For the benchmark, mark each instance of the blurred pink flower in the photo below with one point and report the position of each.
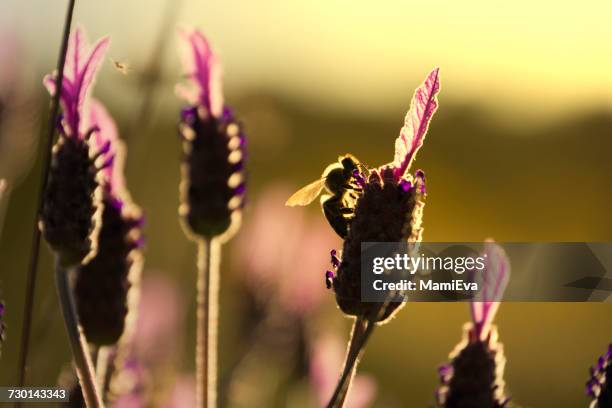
(325, 366)
(151, 351)
(281, 253)
(160, 319)
(183, 393)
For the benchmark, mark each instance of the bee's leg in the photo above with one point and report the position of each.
(336, 214)
(352, 187)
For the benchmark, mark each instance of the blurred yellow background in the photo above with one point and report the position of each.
(519, 150)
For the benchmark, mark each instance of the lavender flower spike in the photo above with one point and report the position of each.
(212, 191)
(71, 199)
(388, 208)
(474, 376)
(599, 385)
(380, 205)
(103, 283)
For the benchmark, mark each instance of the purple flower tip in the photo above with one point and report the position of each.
(405, 185)
(188, 114)
(105, 148)
(241, 189)
(329, 279)
(138, 242)
(108, 162)
(239, 166)
(334, 258)
(137, 222)
(116, 203)
(359, 178)
(420, 181)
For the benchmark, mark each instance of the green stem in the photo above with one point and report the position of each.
(362, 329)
(35, 246)
(207, 322)
(78, 343)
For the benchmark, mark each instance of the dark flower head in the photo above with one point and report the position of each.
(104, 282)
(68, 218)
(388, 208)
(598, 387)
(213, 187)
(474, 376)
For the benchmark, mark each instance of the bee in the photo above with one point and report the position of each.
(343, 191)
(122, 67)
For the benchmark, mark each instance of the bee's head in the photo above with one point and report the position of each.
(349, 163)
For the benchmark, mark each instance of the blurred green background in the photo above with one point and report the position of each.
(519, 150)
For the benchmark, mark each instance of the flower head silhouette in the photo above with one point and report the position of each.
(598, 386)
(103, 283)
(71, 199)
(384, 204)
(212, 191)
(474, 376)
(388, 207)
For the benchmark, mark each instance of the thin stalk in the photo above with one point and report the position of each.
(35, 246)
(102, 359)
(209, 258)
(78, 343)
(94, 350)
(362, 329)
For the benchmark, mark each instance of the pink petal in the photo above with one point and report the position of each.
(107, 132)
(203, 68)
(424, 104)
(494, 280)
(90, 68)
(79, 73)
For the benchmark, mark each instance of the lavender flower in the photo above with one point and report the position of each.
(474, 376)
(71, 199)
(379, 205)
(212, 191)
(102, 285)
(598, 386)
(388, 208)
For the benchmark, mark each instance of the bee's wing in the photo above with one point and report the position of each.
(306, 194)
(365, 169)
